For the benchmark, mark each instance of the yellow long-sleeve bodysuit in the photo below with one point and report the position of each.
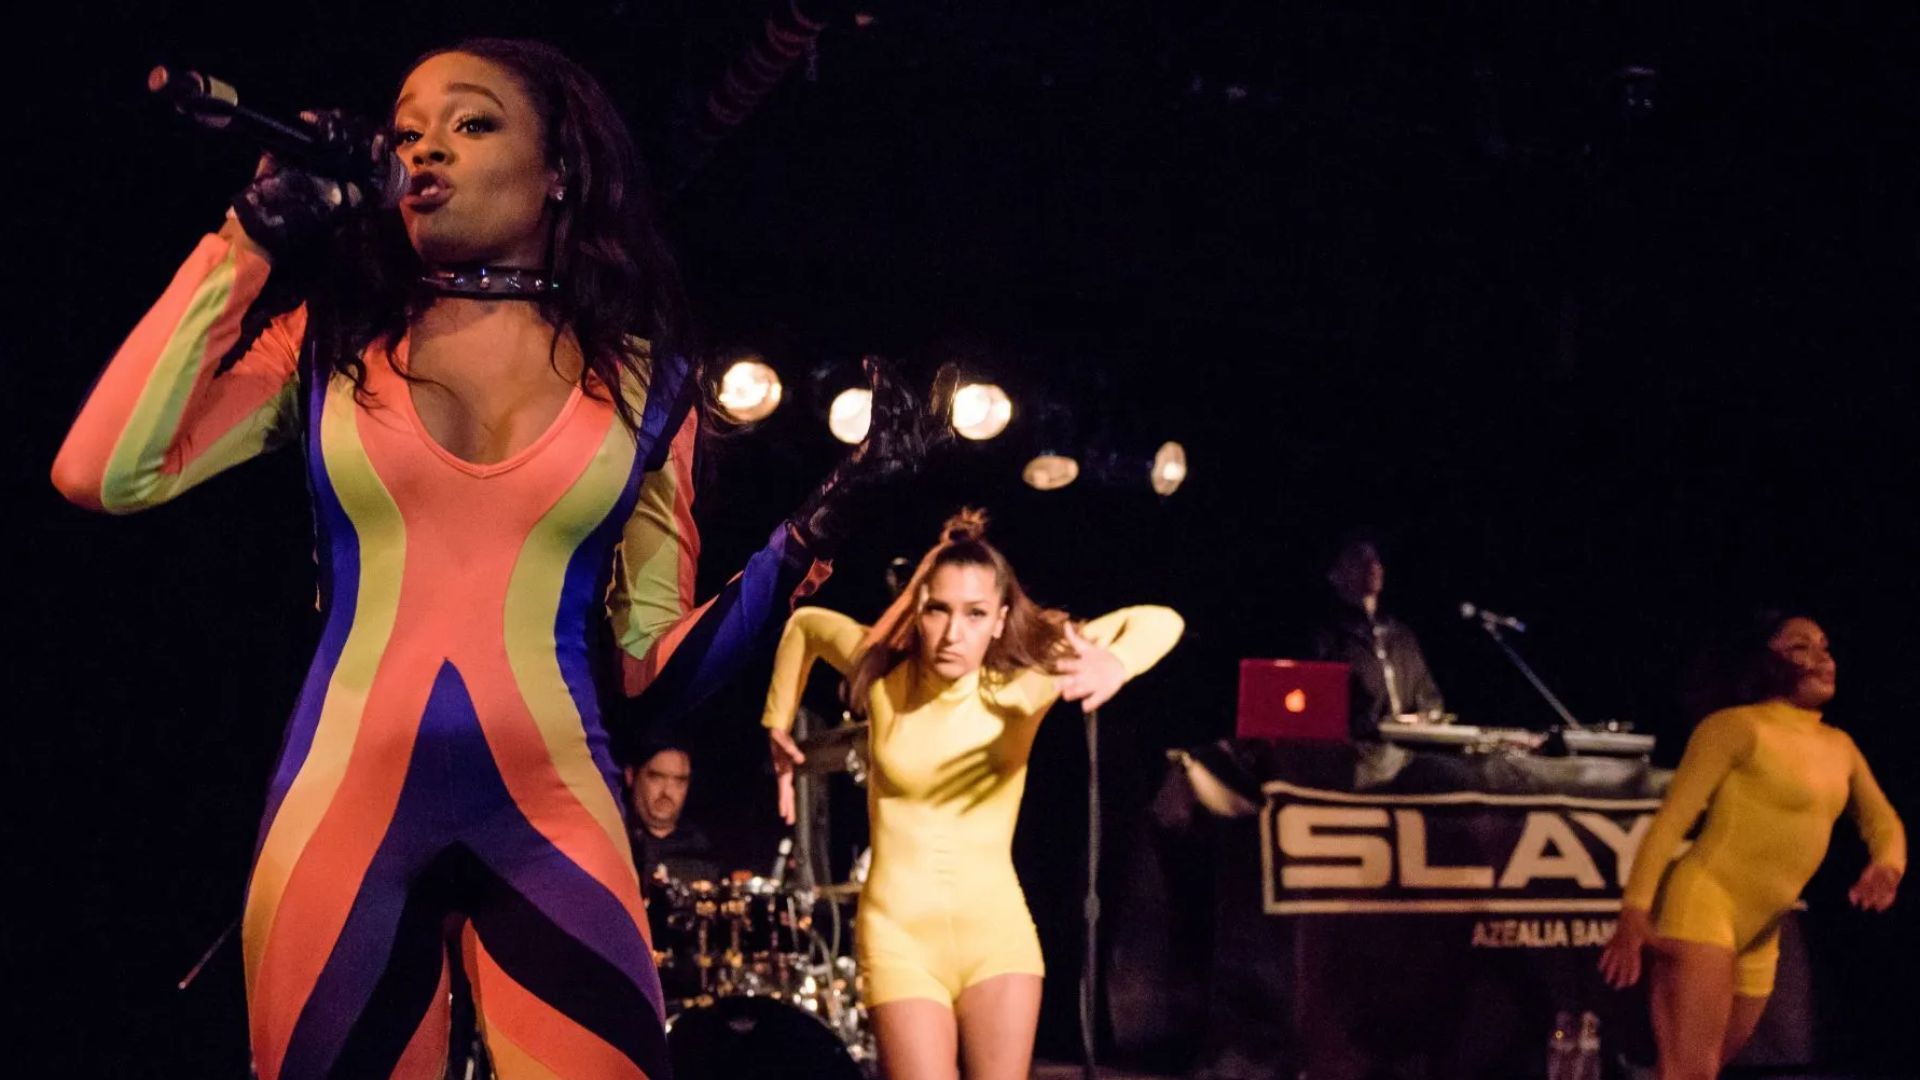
(942, 908)
(1772, 779)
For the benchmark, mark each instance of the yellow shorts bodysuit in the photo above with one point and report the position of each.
(942, 907)
(1773, 779)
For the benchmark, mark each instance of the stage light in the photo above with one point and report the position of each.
(981, 411)
(851, 414)
(1050, 472)
(749, 390)
(1169, 468)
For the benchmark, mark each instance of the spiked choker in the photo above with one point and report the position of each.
(490, 283)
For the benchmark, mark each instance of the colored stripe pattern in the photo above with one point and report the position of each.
(446, 787)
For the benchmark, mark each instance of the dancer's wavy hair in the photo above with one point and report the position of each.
(1034, 637)
(618, 282)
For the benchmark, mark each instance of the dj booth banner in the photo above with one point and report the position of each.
(1435, 932)
(1554, 856)
(1362, 913)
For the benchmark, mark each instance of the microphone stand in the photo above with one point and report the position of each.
(1566, 718)
(200, 965)
(1090, 959)
(806, 839)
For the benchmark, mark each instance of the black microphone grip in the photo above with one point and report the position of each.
(215, 104)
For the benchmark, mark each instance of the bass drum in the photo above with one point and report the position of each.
(737, 1037)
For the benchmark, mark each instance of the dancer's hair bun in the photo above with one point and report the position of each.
(968, 524)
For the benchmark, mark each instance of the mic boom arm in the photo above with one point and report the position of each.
(1493, 631)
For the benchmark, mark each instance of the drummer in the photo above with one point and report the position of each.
(664, 845)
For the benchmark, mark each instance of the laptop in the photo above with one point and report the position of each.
(1292, 699)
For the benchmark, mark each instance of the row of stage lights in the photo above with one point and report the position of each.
(750, 390)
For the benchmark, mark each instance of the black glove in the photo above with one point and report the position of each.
(899, 441)
(287, 209)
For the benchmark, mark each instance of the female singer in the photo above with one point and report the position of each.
(501, 473)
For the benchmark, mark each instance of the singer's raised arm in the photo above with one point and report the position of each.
(670, 650)
(165, 415)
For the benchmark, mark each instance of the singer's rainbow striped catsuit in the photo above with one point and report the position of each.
(446, 759)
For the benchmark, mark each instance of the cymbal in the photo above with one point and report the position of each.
(837, 749)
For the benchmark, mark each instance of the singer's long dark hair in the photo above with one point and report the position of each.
(620, 292)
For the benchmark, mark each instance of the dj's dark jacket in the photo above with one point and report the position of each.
(1347, 635)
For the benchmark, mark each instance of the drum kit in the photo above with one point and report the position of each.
(754, 988)
(756, 970)
(757, 973)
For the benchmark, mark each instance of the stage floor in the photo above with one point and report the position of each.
(1050, 1070)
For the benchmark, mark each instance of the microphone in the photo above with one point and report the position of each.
(1492, 618)
(779, 875)
(213, 103)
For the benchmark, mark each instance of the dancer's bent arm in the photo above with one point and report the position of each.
(1886, 839)
(1135, 636)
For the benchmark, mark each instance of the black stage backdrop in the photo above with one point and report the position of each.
(1617, 369)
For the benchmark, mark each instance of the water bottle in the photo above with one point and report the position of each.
(1586, 1049)
(1561, 1048)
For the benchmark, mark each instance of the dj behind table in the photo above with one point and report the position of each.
(1428, 903)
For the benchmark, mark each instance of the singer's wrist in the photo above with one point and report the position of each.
(234, 233)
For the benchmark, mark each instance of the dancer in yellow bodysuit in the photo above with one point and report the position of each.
(1772, 778)
(954, 681)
